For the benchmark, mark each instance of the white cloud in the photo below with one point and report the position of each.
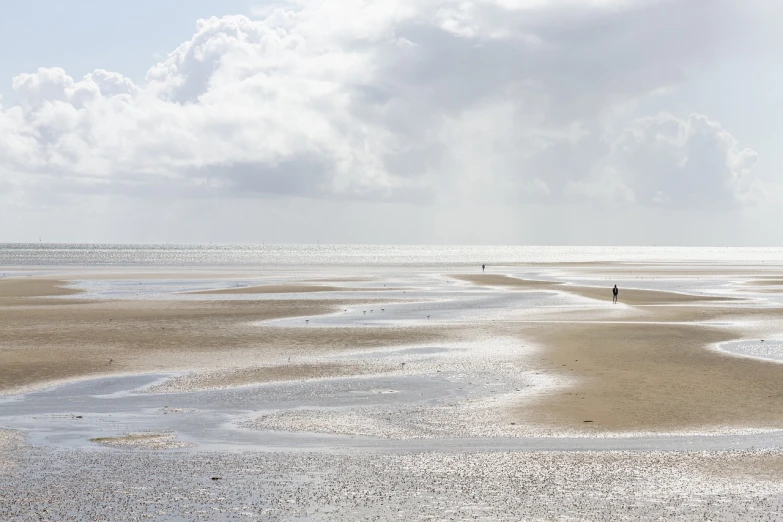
(674, 162)
(691, 162)
(413, 101)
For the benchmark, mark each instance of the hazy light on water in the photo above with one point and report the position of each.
(36, 254)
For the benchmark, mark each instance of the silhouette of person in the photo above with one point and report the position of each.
(483, 267)
(615, 291)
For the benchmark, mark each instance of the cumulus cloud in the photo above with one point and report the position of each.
(684, 163)
(671, 162)
(412, 101)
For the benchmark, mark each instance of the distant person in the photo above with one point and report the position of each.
(615, 291)
(483, 267)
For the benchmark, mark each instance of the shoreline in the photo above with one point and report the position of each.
(223, 342)
(451, 390)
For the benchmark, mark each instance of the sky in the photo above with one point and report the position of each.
(546, 122)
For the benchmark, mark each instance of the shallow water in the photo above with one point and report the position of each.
(445, 379)
(418, 442)
(770, 349)
(70, 415)
(276, 256)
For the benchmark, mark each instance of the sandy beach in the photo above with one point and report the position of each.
(486, 365)
(325, 261)
(629, 296)
(646, 367)
(649, 372)
(45, 341)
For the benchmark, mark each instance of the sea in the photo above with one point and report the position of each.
(184, 255)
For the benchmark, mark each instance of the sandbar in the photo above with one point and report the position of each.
(286, 289)
(630, 296)
(652, 378)
(643, 367)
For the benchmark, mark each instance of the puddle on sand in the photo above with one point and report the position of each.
(771, 349)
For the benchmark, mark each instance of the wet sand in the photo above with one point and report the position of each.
(645, 369)
(627, 296)
(270, 289)
(144, 441)
(766, 282)
(49, 343)
(488, 367)
(252, 375)
(11, 443)
(641, 368)
(286, 289)
(304, 485)
(32, 291)
(46, 340)
(55, 342)
(652, 378)
(34, 287)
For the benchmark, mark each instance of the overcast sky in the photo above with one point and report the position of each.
(604, 122)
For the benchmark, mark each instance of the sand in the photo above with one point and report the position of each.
(33, 291)
(270, 289)
(34, 287)
(640, 366)
(645, 369)
(766, 282)
(56, 340)
(287, 289)
(251, 375)
(504, 281)
(11, 443)
(659, 378)
(122, 485)
(50, 343)
(627, 296)
(145, 441)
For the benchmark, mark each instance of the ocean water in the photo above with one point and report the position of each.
(52, 254)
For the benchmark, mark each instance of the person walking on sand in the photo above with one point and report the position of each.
(483, 267)
(614, 294)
